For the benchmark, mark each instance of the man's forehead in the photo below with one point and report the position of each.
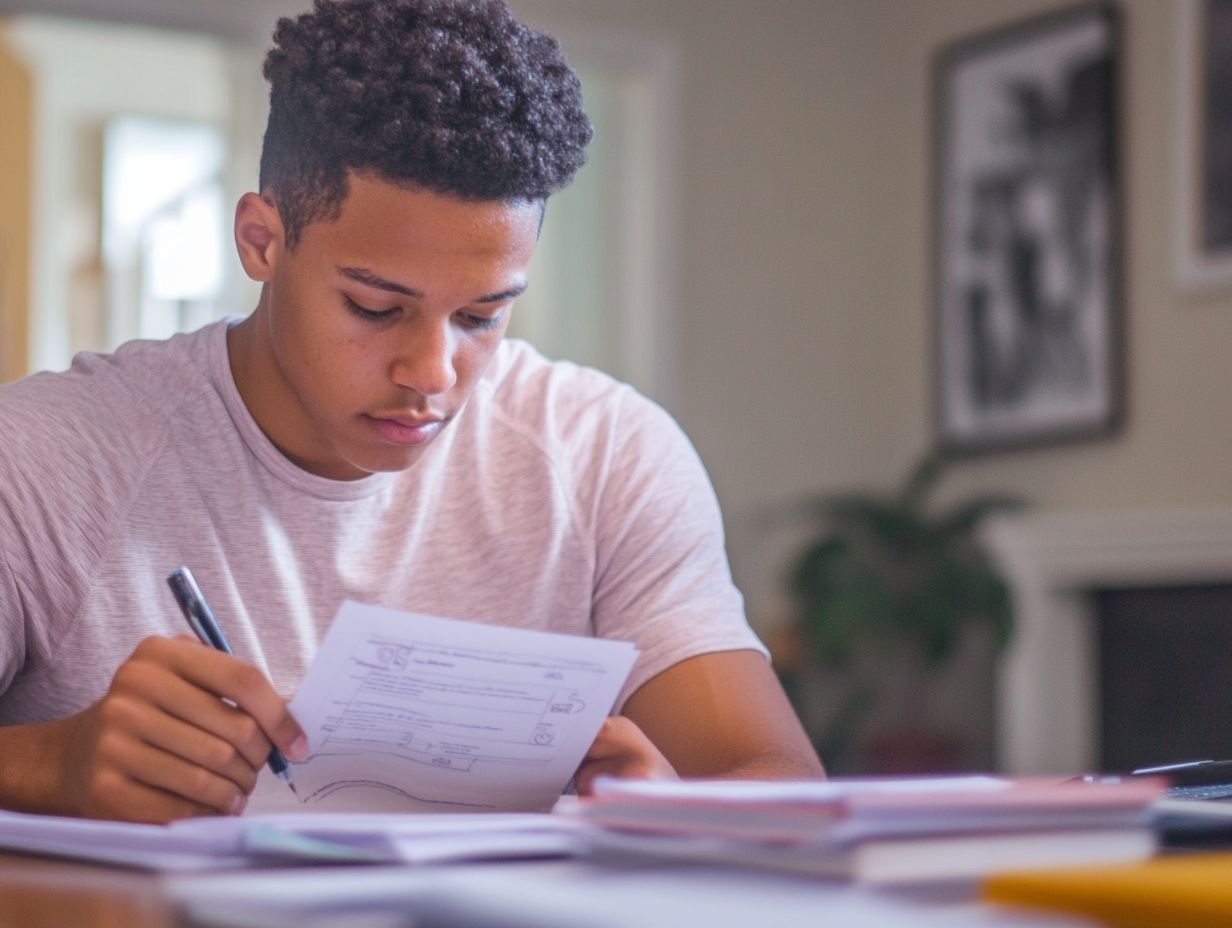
(370, 278)
(387, 208)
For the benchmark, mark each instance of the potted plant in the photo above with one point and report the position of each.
(884, 596)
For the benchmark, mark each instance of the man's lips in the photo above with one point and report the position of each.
(406, 430)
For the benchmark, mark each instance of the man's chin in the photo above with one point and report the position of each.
(388, 460)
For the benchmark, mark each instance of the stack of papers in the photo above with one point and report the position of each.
(878, 831)
(223, 843)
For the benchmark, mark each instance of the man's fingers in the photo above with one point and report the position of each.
(617, 736)
(584, 779)
(251, 691)
(621, 749)
(110, 792)
(134, 801)
(623, 767)
(228, 677)
(193, 737)
(185, 780)
(145, 695)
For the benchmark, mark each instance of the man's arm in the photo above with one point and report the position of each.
(724, 715)
(160, 745)
(716, 715)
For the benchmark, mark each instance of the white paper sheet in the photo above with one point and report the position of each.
(407, 712)
(742, 792)
(145, 846)
(228, 842)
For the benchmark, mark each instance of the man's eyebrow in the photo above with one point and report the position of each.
(504, 295)
(369, 279)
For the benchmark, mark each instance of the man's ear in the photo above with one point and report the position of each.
(258, 236)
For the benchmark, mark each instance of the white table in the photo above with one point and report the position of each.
(568, 894)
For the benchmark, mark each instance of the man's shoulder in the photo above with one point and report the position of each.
(118, 400)
(583, 421)
(560, 400)
(520, 373)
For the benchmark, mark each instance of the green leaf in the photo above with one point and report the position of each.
(886, 573)
(922, 479)
(966, 517)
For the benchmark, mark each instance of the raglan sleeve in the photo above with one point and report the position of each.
(12, 638)
(662, 577)
(57, 446)
(12, 612)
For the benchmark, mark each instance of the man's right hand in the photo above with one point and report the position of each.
(162, 744)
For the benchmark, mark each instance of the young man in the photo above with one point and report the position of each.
(365, 433)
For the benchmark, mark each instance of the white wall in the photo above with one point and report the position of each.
(777, 348)
(805, 320)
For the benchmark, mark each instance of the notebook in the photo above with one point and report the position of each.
(1177, 891)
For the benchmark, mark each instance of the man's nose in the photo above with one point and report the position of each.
(425, 359)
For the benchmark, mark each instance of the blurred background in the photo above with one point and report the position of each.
(751, 245)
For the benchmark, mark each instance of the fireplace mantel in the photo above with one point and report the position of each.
(1048, 686)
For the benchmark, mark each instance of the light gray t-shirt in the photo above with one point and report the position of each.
(557, 500)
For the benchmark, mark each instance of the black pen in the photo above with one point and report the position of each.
(201, 617)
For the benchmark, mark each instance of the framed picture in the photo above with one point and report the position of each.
(1204, 135)
(1027, 274)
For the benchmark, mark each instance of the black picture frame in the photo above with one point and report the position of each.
(1204, 150)
(1027, 233)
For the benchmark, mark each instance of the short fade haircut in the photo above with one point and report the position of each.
(451, 96)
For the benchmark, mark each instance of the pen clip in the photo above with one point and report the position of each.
(196, 610)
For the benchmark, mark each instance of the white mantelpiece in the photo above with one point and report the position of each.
(1048, 685)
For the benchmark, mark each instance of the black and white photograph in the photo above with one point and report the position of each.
(1204, 137)
(1026, 233)
(1217, 126)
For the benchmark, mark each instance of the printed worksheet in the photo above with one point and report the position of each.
(413, 712)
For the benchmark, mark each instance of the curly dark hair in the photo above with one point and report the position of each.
(452, 96)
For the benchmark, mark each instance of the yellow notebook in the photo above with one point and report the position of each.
(1187, 890)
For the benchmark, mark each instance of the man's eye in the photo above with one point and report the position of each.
(365, 313)
(470, 320)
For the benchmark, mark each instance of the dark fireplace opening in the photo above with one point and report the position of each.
(1165, 672)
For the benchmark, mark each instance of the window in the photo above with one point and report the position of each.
(143, 140)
